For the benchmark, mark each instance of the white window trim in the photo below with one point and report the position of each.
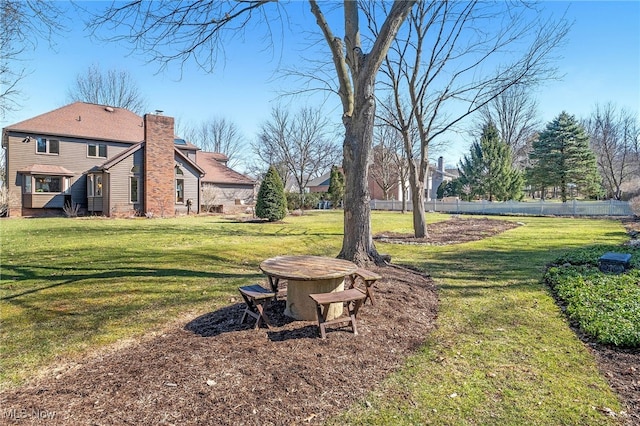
(97, 146)
(47, 142)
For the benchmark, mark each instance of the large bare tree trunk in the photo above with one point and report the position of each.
(356, 76)
(357, 244)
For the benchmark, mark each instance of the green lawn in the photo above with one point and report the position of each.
(502, 352)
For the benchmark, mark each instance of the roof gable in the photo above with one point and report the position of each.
(86, 121)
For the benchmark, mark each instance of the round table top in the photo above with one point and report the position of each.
(307, 268)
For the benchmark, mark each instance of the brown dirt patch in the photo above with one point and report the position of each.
(212, 370)
(454, 231)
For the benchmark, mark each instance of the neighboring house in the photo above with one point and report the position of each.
(436, 176)
(103, 160)
(320, 184)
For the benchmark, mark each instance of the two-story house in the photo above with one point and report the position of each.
(103, 160)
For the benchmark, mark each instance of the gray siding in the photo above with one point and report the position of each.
(119, 202)
(229, 196)
(72, 156)
(191, 188)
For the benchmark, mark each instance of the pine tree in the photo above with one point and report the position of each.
(488, 170)
(272, 202)
(336, 187)
(562, 157)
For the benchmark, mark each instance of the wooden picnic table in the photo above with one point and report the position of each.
(307, 275)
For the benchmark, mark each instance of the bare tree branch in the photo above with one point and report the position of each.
(115, 88)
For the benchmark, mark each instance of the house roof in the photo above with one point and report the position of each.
(217, 172)
(45, 169)
(87, 121)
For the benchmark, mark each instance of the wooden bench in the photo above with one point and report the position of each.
(353, 298)
(369, 278)
(256, 298)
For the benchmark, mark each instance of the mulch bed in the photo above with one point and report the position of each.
(212, 370)
(215, 371)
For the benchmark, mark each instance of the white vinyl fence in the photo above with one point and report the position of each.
(535, 208)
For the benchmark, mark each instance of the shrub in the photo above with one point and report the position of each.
(605, 306)
(271, 203)
(295, 201)
(336, 187)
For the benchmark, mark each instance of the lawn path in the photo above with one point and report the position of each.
(503, 352)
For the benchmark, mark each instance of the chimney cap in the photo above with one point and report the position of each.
(159, 112)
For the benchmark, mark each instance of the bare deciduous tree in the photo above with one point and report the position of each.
(614, 136)
(179, 31)
(302, 143)
(383, 170)
(115, 88)
(22, 24)
(217, 135)
(515, 114)
(445, 67)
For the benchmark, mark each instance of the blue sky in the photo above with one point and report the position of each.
(600, 63)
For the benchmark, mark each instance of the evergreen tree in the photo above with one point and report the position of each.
(562, 157)
(488, 169)
(272, 202)
(336, 187)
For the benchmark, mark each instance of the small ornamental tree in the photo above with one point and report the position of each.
(336, 187)
(272, 202)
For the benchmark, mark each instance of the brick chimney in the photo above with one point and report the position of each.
(159, 163)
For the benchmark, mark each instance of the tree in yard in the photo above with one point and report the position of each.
(561, 157)
(336, 187)
(301, 143)
(515, 115)
(488, 169)
(390, 165)
(178, 31)
(217, 134)
(453, 188)
(272, 202)
(22, 24)
(442, 70)
(115, 88)
(614, 136)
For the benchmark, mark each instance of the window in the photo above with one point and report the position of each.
(48, 183)
(134, 182)
(27, 184)
(47, 146)
(179, 190)
(94, 185)
(98, 187)
(97, 150)
(89, 185)
(179, 185)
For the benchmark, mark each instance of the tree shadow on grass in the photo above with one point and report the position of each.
(66, 276)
